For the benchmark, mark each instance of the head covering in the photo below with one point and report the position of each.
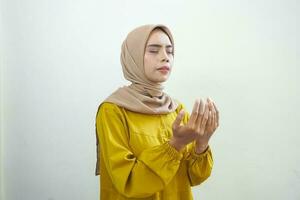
(143, 95)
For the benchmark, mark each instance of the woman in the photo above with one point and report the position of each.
(148, 147)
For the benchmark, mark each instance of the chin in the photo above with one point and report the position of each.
(162, 80)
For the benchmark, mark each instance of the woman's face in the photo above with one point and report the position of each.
(158, 58)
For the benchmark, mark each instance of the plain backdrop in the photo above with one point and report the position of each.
(60, 58)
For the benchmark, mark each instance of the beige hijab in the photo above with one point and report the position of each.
(142, 96)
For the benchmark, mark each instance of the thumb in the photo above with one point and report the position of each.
(178, 119)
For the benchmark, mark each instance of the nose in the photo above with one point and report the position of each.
(165, 57)
(165, 60)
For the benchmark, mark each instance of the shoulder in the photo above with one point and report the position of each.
(108, 107)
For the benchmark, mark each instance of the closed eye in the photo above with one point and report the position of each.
(169, 52)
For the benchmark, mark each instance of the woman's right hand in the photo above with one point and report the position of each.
(184, 134)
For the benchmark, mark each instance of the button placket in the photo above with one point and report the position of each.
(164, 130)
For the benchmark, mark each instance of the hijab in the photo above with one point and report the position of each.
(143, 95)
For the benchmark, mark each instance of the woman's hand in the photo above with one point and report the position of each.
(211, 125)
(195, 128)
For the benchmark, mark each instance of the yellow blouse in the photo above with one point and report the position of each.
(137, 162)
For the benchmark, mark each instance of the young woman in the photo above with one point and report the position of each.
(148, 147)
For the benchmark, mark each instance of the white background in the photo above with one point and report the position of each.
(60, 58)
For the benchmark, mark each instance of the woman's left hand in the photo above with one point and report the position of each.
(211, 125)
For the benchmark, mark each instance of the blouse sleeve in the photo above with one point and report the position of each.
(199, 165)
(157, 165)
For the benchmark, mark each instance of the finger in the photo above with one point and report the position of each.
(201, 107)
(200, 115)
(204, 119)
(213, 123)
(211, 112)
(210, 118)
(178, 119)
(194, 114)
(209, 101)
(217, 114)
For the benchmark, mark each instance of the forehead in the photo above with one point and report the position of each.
(159, 37)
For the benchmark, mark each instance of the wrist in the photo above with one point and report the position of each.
(200, 148)
(177, 145)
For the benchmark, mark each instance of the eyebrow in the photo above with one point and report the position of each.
(158, 45)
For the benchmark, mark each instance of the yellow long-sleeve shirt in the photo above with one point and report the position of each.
(137, 162)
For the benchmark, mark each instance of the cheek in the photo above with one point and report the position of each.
(146, 59)
(148, 62)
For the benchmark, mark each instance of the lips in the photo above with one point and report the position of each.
(164, 68)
